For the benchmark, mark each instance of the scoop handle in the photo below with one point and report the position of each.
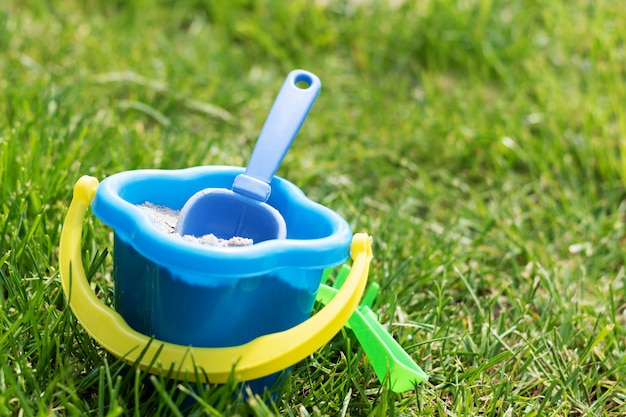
(292, 105)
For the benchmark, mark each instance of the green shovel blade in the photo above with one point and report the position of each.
(390, 362)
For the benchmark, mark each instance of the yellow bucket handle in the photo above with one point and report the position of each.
(262, 356)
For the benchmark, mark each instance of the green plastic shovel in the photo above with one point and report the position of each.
(391, 363)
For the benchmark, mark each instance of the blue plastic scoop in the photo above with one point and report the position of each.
(243, 211)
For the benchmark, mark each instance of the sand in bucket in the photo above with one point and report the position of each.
(166, 218)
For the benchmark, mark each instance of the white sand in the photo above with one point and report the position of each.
(165, 219)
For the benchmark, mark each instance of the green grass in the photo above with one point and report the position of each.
(482, 144)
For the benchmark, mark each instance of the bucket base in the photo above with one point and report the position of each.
(267, 388)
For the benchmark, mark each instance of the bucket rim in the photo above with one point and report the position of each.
(135, 227)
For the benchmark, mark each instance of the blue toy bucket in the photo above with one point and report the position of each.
(224, 299)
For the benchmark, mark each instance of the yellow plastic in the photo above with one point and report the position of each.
(263, 356)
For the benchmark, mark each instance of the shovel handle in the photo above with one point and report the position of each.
(292, 105)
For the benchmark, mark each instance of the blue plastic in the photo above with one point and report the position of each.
(283, 123)
(192, 294)
(242, 211)
(225, 214)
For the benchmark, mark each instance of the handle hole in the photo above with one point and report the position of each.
(303, 81)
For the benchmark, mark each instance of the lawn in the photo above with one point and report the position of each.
(481, 144)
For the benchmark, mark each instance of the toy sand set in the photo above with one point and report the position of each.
(190, 304)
